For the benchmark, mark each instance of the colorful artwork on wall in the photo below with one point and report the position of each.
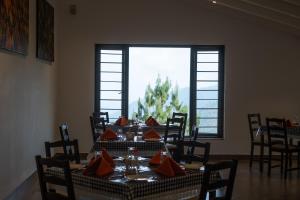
(14, 25)
(45, 31)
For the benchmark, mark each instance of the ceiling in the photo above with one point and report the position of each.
(284, 14)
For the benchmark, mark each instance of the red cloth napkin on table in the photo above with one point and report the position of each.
(99, 167)
(122, 121)
(108, 134)
(155, 160)
(151, 122)
(108, 158)
(151, 134)
(169, 168)
(92, 166)
(104, 168)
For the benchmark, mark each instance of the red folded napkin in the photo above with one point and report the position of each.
(151, 122)
(169, 168)
(122, 121)
(99, 167)
(92, 166)
(108, 158)
(108, 134)
(151, 134)
(155, 160)
(104, 168)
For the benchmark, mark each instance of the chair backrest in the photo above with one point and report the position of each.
(187, 151)
(208, 185)
(97, 124)
(68, 144)
(173, 129)
(59, 144)
(44, 178)
(103, 115)
(254, 121)
(181, 115)
(277, 131)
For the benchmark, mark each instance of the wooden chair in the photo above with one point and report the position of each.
(97, 126)
(103, 115)
(173, 130)
(187, 152)
(181, 115)
(59, 144)
(210, 187)
(71, 149)
(254, 121)
(44, 179)
(278, 142)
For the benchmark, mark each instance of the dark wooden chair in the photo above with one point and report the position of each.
(103, 115)
(187, 152)
(278, 142)
(173, 134)
(173, 131)
(59, 144)
(45, 179)
(97, 126)
(71, 148)
(210, 187)
(254, 121)
(181, 115)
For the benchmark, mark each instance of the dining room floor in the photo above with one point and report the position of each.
(249, 185)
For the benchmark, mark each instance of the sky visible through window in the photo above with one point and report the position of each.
(147, 63)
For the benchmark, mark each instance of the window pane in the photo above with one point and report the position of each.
(207, 85)
(111, 77)
(207, 113)
(111, 58)
(111, 67)
(110, 86)
(212, 131)
(112, 113)
(110, 104)
(207, 66)
(207, 75)
(110, 95)
(208, 122)
(112, 51)
(208, 58)
(207, 103)
(207, 94)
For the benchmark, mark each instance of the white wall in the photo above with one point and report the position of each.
(27, 111)
(262, 64)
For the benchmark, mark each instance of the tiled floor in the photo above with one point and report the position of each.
(249, 185)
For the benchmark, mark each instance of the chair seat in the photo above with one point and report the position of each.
(282, 147)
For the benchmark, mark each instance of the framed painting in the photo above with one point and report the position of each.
(14, 25)
(45, 31)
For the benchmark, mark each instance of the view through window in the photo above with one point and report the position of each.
(159, 82)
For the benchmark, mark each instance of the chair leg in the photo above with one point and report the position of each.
(298, 160)
(251, 155)
(286, 164)
(269, 162)
(281, 162)
(290, 160)
(261, 158)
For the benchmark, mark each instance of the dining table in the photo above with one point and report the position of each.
(145, 184)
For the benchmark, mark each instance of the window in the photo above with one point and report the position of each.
(205, 91)
(110, 87)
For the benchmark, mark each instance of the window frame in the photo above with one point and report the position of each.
(193, 87)
(193, 79)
